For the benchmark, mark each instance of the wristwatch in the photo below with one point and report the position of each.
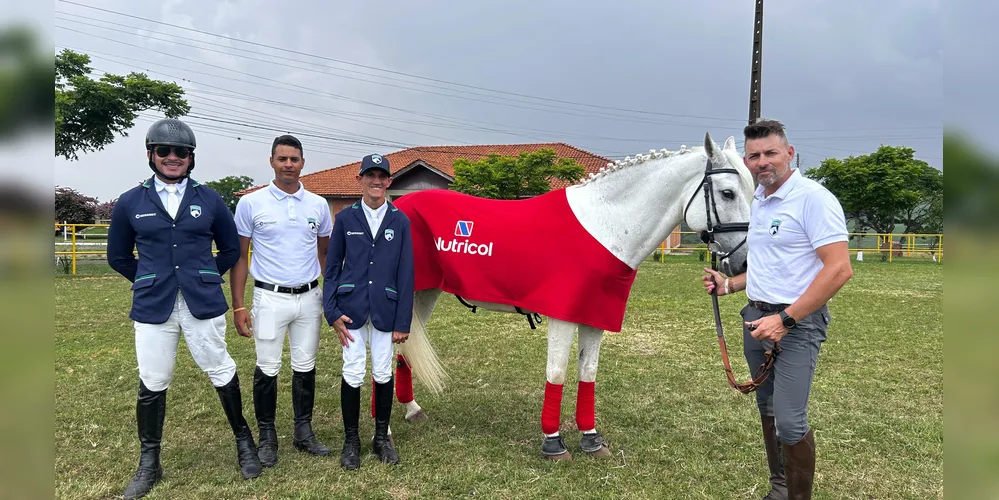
(788, 321)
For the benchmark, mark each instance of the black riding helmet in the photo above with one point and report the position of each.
(170, 132)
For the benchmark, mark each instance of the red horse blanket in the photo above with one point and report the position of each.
(530, 253)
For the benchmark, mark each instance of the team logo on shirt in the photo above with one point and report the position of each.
(774, 227)
(195, 211)
(389, 234)
(312, 224)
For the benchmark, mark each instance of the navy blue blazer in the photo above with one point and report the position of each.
(173, 255)
(370, 274)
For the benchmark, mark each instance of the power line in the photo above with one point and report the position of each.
(612, 108)
(556, 110)
(284, 62)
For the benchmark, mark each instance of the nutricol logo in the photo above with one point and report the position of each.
(463, 228)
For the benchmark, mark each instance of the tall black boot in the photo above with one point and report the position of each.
(150, 409)
(775, 460)
(265, 406)
(350, 405)
(246, 449)
(303, 397)
(381, 445)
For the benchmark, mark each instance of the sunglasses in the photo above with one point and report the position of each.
(180, 151)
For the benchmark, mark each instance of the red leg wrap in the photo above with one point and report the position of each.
(403, 380)
(552, 411)
(585, 419)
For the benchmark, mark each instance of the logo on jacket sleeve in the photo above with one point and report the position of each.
(195, 211)
(463, 228)
(389, 234)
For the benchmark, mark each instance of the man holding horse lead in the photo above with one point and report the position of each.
(798, 260)
(290, 230)
(368, 290)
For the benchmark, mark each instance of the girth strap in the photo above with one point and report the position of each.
(533, 319)
(466, 304)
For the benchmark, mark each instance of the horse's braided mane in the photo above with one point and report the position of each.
(638, 159)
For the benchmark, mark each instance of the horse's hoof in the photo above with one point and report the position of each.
(603, 452)
(594, 444)
(417, 417)
(563, 456)
(553, 448)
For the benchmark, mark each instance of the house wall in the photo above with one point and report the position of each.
(419, 179)
(338, 204)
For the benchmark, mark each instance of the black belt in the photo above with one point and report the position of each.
(768, 307)
(286, 289)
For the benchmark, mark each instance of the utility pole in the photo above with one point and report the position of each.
(756, 75)
(797, 160)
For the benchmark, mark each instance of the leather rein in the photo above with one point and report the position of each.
(708, 237)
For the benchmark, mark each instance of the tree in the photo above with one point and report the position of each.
(512, 177)
(88, 113)
(103, 210)
(227, 187)
(73, 207)
(27, 69)
(885, 188)
(973, 203)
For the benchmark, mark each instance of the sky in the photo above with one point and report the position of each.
(352, 78)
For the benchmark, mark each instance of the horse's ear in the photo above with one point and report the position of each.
(709, 146)
(729, 143)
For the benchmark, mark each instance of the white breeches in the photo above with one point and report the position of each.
(355, 355)
(300, 315)
(156, 347)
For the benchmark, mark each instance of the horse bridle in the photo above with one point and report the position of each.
(711, 207)
(708, 237)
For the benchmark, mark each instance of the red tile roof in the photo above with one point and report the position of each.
(341, 181)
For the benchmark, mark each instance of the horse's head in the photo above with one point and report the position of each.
(718, 208)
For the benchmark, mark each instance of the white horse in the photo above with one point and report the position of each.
(629, 208)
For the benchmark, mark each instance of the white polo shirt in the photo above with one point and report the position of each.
(785, 229)
(284, 229)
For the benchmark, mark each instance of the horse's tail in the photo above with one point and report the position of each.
(421, 357)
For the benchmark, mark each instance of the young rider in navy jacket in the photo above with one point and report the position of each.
(368, 299)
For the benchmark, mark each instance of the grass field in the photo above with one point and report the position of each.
(676, 429)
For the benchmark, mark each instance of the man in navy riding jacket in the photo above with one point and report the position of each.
(368, 291)
(172, 221)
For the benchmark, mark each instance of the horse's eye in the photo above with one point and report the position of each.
(728, 194)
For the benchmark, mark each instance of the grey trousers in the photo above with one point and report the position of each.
(784, 395)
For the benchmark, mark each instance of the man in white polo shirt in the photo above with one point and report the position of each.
(798, 260)
(290, 230)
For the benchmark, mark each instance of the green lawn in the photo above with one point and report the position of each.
(676, 429)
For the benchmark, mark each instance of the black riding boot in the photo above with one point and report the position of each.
(381, 445)
(303, 396)
(246, 449)
(150, 409)
(265, 406)
(350, 405)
